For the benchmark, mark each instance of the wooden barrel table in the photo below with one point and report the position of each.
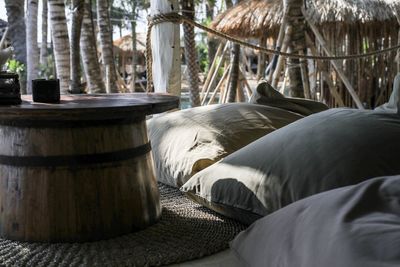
(80, 170)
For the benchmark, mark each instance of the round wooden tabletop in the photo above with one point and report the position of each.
(90, 107)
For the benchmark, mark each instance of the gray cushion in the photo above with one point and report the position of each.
(354, 226)
(187, 141)
(265, 94)
(334, 148)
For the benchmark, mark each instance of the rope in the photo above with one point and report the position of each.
(177, 18)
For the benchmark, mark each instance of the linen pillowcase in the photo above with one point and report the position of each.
(357, 226)
(265, 94)
(327, 150)
(187, 141)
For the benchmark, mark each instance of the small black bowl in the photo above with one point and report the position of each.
(46, 91)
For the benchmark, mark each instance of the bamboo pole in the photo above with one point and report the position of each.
(214, 76)
(335, 64)
(225, 95)
(212, 67)
(332, 89)
(304, 77)
(325, 75)
(219, 85)
(281, 59)
(279, 42)
(247, 87)
(3, 38)
(285, 78)
(312, 75)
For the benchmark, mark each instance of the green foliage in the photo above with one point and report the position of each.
(15, 66)
(46, 71)
(202, 51)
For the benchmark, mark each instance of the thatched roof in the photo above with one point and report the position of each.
(124, 44)
(252, 18)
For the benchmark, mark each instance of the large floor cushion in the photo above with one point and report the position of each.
(354, 226)
(187, 141)
(334, 148)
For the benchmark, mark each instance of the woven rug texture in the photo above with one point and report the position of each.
(185, 232)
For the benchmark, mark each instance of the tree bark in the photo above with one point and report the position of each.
(134, 50)
(105, 32)
(43, 46)
(16, 28)
(61, 42)
(191, 54)
(234, 72)
(212, 42)
(89, 52)
(32, 45)
(297, 21)
(76, 29)
(261, 64)
(17, 34)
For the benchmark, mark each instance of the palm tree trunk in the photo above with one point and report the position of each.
(16, 28)
(134, 51)
(212, 42)
(17, 33)
(297, 21)
(234, 72)
(61, 42)
(191, 54)
(43, 47)
(89, 52)
(32, 46)
(104, 24)
(76, 27)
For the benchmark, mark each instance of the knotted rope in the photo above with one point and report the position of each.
(177, 18)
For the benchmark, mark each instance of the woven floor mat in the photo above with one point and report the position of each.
(186, 231)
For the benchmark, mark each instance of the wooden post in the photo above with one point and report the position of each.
(165, 47)
(335, 64)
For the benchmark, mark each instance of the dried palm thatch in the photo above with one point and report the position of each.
(125, 43)
(348, 26)
(123, 52)
(257, 18)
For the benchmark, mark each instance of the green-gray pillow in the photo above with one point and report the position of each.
(334, 148)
